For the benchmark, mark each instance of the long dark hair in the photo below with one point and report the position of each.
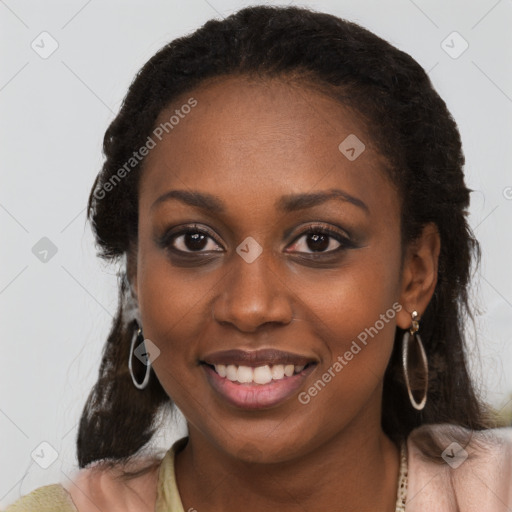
(410, 125)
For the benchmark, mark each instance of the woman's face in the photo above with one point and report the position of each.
(248, 277)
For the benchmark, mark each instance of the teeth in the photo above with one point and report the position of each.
(231, 372)
(245, 374)
(258, 375)
(277, 372)
(288, 370)
(262, 374)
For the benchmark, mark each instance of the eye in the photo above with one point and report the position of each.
(190, 240)
(321, 239)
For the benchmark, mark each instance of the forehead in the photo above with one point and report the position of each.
(260, 139)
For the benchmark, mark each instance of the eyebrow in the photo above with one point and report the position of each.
(287, 203)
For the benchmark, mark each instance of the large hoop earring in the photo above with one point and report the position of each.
(138, 336)
(412, 335)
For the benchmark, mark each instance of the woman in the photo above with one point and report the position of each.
(286, 191)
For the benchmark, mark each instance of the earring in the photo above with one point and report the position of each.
(141, 354)
(412, 335)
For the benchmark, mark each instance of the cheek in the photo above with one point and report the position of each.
(169, 297)
(358, 298)
(175, 316)
(356, 318)
(357, 308)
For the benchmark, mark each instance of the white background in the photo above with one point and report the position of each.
(53, 114)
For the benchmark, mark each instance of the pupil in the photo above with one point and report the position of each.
(195, 241)
(320, 242)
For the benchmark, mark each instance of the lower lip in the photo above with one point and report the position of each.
(256, 396)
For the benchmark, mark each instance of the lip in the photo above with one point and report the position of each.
(255, 358)
(256, 396)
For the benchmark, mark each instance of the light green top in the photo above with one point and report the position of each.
(50, 498)
(168, 498)
(55, 498)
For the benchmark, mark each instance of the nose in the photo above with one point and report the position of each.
(252, 295)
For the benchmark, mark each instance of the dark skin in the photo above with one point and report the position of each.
(250, 142)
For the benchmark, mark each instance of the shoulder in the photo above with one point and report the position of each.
(453, 468)
(49, 498)
(96, 488)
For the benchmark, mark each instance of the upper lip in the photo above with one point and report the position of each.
(256, 358)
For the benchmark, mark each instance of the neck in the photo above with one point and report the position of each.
(354, 470)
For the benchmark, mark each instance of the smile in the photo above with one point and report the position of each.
(256, 380)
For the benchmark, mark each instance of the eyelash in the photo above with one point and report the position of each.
(166, 241)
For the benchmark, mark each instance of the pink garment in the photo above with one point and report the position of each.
(481, 483)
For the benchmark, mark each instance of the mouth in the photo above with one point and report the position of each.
(256, 380)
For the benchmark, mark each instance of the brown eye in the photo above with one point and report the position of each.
(319, 239)
(190, 240)
(194, 241)
(316, 242)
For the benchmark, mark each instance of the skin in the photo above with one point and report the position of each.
(249, 142)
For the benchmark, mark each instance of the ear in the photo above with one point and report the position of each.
(131, 268)
(419, 274)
